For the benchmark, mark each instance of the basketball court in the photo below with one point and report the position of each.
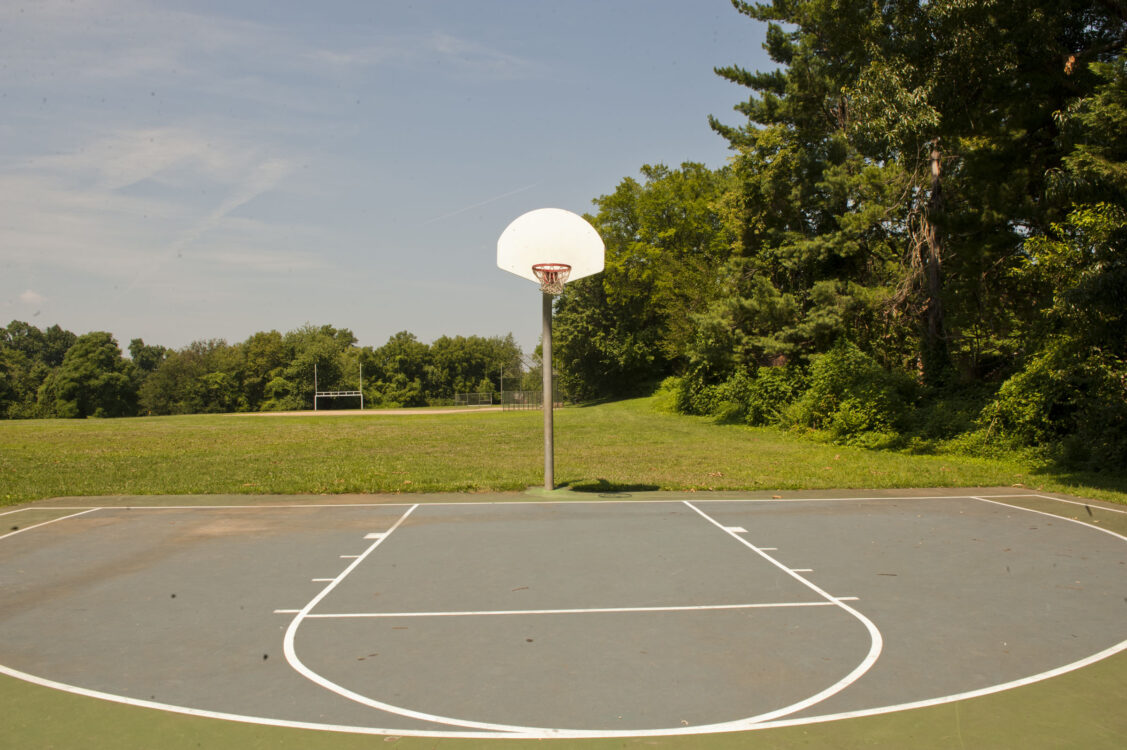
(646, 615)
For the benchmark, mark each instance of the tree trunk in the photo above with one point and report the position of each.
(935, 355)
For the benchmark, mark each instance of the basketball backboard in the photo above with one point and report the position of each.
(550, 235)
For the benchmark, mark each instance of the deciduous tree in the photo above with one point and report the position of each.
(94, 380)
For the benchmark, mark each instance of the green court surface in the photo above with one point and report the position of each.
(914, 618)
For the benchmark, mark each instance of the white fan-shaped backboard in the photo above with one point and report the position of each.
(550, 235)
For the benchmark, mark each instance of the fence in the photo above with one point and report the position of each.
(473, 399)
(517, 400)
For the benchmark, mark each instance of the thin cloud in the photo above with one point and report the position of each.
(127, 206)
(128, 157)
(120, 40)
(263, 177)
(485, 202)
(459, 56)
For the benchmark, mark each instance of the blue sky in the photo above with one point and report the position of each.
(192, 170)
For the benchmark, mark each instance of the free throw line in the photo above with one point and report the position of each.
(596, 610)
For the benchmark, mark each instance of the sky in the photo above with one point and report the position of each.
(181, 171)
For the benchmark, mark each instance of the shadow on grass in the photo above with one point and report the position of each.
(603, 486)
(593, 402)
(1112, 481)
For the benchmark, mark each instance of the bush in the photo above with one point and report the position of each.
(772, 392)
(1074, 401)
(694, 397)
(730, 399)
(756, 397)
(850, 394)
(666, 397)
(949, 412)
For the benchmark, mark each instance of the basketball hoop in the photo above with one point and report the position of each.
(579, 252)
(552, 276)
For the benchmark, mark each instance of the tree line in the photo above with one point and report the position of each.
(56, 373)
(919, 239)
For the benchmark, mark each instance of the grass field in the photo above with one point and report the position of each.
(618, 446)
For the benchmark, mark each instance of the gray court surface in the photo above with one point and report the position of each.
(663, 614)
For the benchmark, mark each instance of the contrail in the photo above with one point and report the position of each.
(265, 177)
(477, 205)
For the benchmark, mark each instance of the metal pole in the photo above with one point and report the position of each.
(361, 386)
(314, 386)
(548, 399)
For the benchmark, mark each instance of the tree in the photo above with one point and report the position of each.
(398, 370)
(622, 330)
(94, 380)
(7, 387)
(29, 355)
(146, 358)
(1094, 166)
(918, 132)
(462, 364)
(201, 378)
(264, 357)
(1072, 390)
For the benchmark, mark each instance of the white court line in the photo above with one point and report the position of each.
(309, 674)
(1061, 500)
(548, 732)
(763, 724)
(990, 690)
(45, 523)
(242, 718)
(697, 498)
(596, 610)
(17, 510)
(783, 722)
(950, 698)
(876, 644)
(1085, 524)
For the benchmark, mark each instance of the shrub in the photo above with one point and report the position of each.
(944, 414)
(694, 397)
(850, 394)
(667, 395)
(730, 399)
(772, 392)
(1075, 401)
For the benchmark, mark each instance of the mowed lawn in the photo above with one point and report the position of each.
(619, 446)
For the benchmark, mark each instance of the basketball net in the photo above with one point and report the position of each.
(552, 276)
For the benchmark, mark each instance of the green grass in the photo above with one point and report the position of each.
(624, 445)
